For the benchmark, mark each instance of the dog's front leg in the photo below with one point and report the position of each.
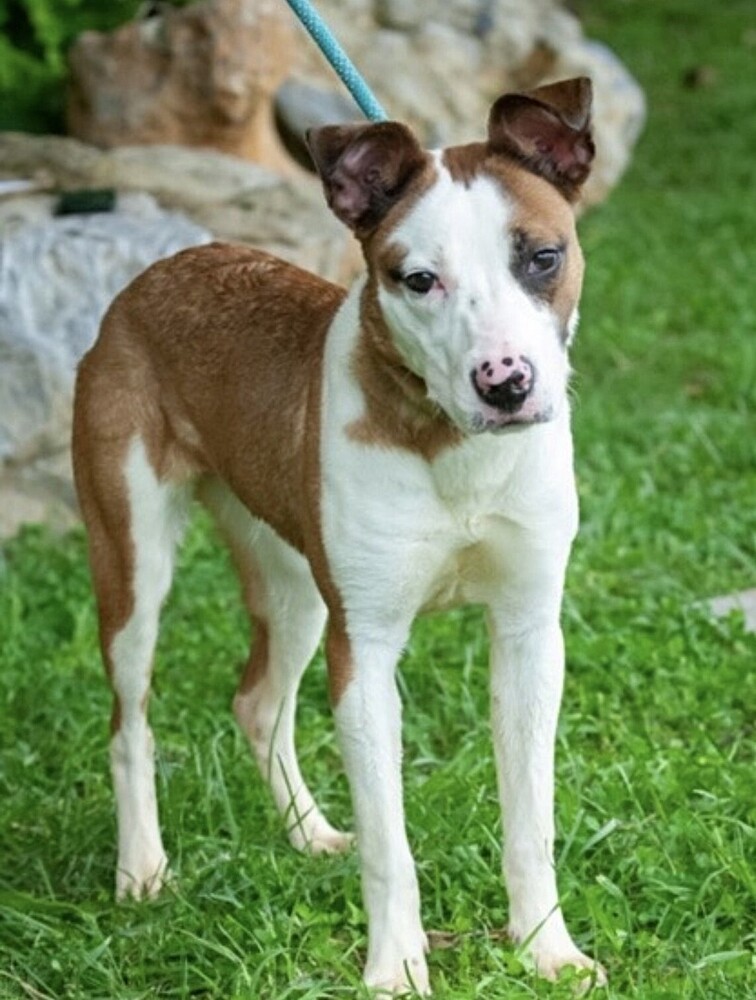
(368, 720)
(527, 668)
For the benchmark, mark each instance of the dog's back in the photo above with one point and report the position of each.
(216, 315)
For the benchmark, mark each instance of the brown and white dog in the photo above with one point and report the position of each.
(368, 455)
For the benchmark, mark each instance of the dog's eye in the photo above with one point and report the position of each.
(544, 261)
(420, 281)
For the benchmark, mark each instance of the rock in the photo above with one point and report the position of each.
(744, 601)
(299, 106)
(232, 198)
(469, 17)
(57, 277)
(202, 75)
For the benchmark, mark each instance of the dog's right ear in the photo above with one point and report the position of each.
(364, 169)
(549, 131)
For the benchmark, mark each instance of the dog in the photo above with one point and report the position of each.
(368, 455)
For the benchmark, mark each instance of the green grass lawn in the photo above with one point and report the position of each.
(656, 801)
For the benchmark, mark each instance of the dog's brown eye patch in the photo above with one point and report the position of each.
(537, 262)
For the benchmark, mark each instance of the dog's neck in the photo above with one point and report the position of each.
(398, 412)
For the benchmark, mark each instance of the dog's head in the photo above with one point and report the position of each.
(473, 260)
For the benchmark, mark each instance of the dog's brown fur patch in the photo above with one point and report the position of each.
(217, 337)
(398, 413)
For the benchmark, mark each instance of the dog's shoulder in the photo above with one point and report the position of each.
(228, 273)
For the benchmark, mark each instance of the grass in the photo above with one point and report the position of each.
(656, 748)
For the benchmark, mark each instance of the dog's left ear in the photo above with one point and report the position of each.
(364, 169)
(549, 131)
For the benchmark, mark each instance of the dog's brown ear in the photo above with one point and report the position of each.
(364, 169)
(549, 131)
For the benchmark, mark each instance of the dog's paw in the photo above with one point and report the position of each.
(142, 881)
(319, 837)
(333, 842)
(409, 980)
(550, 964)
(396, 964)
(551, 949)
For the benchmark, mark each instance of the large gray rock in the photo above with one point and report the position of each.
(57, 277)
(232, 198)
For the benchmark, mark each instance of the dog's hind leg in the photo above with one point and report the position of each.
(134, 521)
(288, 616)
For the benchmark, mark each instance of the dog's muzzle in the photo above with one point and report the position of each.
(504, 383)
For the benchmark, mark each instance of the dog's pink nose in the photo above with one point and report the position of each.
(504, 382)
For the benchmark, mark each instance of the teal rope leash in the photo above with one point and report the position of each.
(337, 57)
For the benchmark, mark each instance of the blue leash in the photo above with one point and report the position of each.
(337, 57)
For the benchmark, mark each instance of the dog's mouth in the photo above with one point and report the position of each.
(508, 399)
(497, 423)
(481, 416)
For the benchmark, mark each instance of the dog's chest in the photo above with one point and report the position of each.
(405, 533)
(475, 494)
